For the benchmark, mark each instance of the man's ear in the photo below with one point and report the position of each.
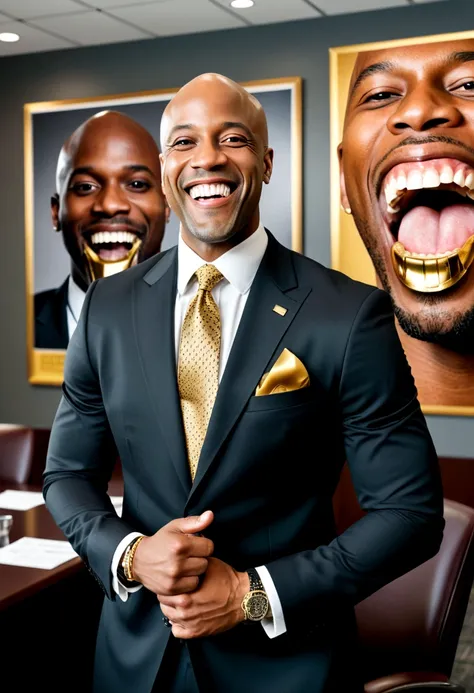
(162, 167)
(268, 165)
(342, 183)
(167, 211)
(55, 212)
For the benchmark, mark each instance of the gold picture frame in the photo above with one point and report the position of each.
(348, 253)
(45, 367)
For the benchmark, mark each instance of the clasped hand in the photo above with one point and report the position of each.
(198, 593)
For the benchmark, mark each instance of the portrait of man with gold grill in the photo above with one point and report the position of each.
(404, 183)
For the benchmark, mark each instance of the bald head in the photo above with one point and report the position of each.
(212, 90)
(106, 124)
(215, 158)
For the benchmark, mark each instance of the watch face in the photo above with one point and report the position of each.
(257, 606)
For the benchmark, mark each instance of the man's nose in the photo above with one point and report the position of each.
(423, 109)
(112, 200)
(208, 155)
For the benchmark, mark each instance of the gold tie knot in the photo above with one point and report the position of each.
(208, 276)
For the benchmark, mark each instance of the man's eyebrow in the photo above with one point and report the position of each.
(226, 125)
(388, 66)
(237, 124)
(177, 128)
(90, 170)
(384, 66)
(140, 167)
(460, 57)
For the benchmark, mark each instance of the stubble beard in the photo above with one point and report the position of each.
(213, 232)
(433, 323)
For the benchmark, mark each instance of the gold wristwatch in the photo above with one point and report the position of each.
(255, 604)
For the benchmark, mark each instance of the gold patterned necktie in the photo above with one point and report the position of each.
(198, 362)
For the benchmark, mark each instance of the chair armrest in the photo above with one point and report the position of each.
(429, 687)
(396, 682)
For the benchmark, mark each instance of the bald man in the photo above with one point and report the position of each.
(235, 376)
(110, 209)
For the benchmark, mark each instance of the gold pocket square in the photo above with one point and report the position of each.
(287, 373)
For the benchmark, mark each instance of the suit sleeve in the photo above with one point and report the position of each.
(80, 461)
(394, 468)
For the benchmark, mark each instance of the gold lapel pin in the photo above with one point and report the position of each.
(279, 309)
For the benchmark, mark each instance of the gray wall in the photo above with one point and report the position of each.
(299, 48)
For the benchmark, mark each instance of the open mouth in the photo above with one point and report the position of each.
(112, 246)
(211, 194)
(429, 211)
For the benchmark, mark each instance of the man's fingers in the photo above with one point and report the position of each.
(182, 586)
(192, 524)
(194, 566)
(200, 547)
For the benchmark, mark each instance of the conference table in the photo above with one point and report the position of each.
(48, 618)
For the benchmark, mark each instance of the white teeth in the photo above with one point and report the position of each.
(447, 175)
(215, 189)
(461, 182)
(401, 182)
(430, 178)
(414, 180)
(469, 182)
(112, 237)
(459, 178)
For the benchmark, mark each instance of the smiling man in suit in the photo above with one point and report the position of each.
(110, 210)
(235, 377)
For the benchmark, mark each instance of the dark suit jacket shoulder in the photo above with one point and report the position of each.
(51, 330)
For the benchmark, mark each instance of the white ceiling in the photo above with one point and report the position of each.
(45, 25)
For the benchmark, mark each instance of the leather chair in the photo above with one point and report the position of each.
(409, 629)
(16, 453)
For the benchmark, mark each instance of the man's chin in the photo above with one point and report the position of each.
(453, 330)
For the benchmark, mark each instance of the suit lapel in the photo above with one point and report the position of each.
(51, 330)
(154, 302)
(259, 333)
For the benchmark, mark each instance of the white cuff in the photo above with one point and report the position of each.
(276, 625)
(120, 589)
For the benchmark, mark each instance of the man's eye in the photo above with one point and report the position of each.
(82, 188)
(182, 142)
(380, 96)
(468, 86)
(235, 139)
(139, 185)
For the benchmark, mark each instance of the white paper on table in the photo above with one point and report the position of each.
(31, 552)
(117, 502)
(20, 500)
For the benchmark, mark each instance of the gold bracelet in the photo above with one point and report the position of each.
(128, 559)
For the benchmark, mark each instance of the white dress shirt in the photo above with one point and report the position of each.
(75, 300)
(239, 267)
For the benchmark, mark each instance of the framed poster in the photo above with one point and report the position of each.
(47, 125)
(402, 190)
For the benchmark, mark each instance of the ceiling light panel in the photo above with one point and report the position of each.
(269, 11)
(113, 4)
(175, 17)
(91, 28)
(26, 9)
(31, 40)
(352, 6)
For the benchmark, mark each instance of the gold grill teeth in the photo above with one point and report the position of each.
(432, 274)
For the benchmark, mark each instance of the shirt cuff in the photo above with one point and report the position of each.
(275, 625)
(118, 588)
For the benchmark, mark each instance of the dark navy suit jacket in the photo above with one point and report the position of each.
(51, 331)
(268, 468)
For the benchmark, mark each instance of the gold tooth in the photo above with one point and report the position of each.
(432, 274)
(105, 268)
